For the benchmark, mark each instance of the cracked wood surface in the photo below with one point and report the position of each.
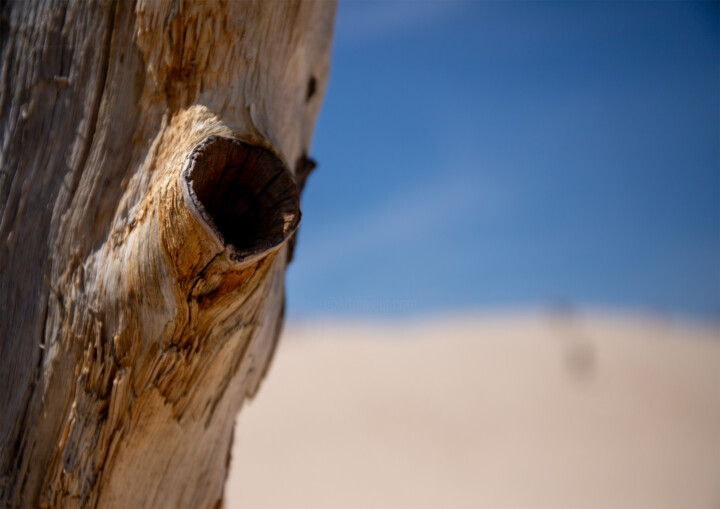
(151, 155)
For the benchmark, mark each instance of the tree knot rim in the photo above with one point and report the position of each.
(244, 193)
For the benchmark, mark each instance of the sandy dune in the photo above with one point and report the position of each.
(523, 411)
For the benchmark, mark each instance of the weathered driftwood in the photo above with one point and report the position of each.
(148, 169)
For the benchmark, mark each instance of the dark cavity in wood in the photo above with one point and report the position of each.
(311, 88)
(244, 192)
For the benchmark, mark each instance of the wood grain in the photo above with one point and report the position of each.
(141, 295)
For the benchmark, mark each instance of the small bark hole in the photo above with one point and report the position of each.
(244, 192)
(311, 88)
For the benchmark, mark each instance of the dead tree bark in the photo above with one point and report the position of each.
(151, 153)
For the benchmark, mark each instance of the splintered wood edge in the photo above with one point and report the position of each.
(286, 212)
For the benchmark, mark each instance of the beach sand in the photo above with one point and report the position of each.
(519, 411)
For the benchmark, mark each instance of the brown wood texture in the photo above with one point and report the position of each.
(151, 154)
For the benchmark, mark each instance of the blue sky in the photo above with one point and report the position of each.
(491, 155)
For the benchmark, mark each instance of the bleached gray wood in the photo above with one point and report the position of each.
(148, 158)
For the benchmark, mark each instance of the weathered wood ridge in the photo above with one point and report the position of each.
(151, 157)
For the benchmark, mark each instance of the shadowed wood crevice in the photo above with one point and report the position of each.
(245, 193)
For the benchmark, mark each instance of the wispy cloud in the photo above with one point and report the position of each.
(443, 199)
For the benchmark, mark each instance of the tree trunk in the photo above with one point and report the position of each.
(152, 153)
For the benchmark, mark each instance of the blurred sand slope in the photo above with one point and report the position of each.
(526, 411)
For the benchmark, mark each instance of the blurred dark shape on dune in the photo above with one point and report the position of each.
(555, 409)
